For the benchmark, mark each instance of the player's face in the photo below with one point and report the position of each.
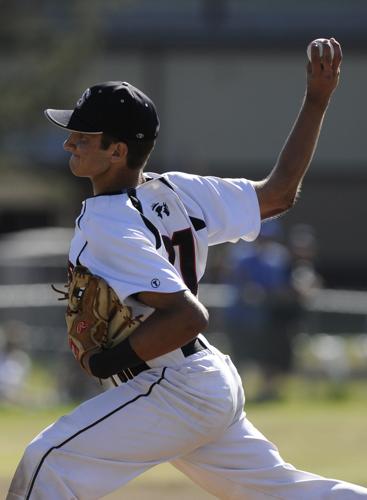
(87, 159)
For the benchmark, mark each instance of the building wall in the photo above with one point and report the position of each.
(236, 109)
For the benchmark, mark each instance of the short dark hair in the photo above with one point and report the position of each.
(138, 152)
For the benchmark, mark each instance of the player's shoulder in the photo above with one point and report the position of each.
(109, 205)
(182, 182)
(176, 177)
(113, 213)
(184, 176)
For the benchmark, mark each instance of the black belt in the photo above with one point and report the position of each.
(192, 347)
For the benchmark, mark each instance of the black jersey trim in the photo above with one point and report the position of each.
(81, 251)
(89, 427)
(82, 214)
(197, 223)
(137, 204)
(164, 181)
(110, 193)
(107, 193)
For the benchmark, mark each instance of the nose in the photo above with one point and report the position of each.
(69, 144)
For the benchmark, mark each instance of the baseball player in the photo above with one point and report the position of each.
(177, 398)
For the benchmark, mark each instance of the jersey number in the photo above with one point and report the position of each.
(184, 240)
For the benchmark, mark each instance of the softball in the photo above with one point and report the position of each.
(320, 43)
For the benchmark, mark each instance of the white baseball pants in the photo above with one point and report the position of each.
(190, 415)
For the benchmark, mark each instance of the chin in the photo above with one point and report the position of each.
(74, 166)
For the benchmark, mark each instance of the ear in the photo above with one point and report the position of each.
(119, 151)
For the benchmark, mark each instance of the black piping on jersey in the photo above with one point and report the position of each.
(82, 214)
(137, 204)
(81, 251)
(107, 193)
(89, 427)
(164, 181)
(110, 193)
(197, 223)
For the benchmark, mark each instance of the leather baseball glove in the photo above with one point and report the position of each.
(95, 317)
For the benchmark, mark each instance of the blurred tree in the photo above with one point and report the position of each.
(44, 45)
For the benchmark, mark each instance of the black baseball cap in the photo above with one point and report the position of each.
(116, 108)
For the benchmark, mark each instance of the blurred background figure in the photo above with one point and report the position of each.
(33, 347)
(303, 248)
(15, 362)
(262, 321)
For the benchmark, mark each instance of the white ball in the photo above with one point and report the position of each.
(320, 43)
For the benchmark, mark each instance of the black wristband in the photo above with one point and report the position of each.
(106, 363)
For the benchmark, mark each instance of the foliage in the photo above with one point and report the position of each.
(44, 47)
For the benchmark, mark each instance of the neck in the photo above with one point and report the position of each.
(117, 183)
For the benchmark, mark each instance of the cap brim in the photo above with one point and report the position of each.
(66, 119)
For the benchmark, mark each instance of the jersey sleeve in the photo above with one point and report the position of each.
(229, 207)
(125, 255)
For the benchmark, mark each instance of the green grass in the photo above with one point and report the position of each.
(327, 438)
(324, 436)
(18, 427)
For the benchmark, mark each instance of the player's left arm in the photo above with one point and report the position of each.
(178, 318)
(278, 191)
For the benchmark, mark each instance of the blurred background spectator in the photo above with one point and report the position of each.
(15, 363)
(303, 247)
(262, 320)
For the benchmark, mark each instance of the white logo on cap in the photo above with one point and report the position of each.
(140, 136)
(85, 96)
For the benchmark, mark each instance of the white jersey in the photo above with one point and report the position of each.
(187, 409)
(155, 237)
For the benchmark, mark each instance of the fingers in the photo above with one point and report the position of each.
(316, 59)
(323, 68)
(325, 55)
(338, 55)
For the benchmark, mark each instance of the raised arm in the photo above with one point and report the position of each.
(278, 191)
